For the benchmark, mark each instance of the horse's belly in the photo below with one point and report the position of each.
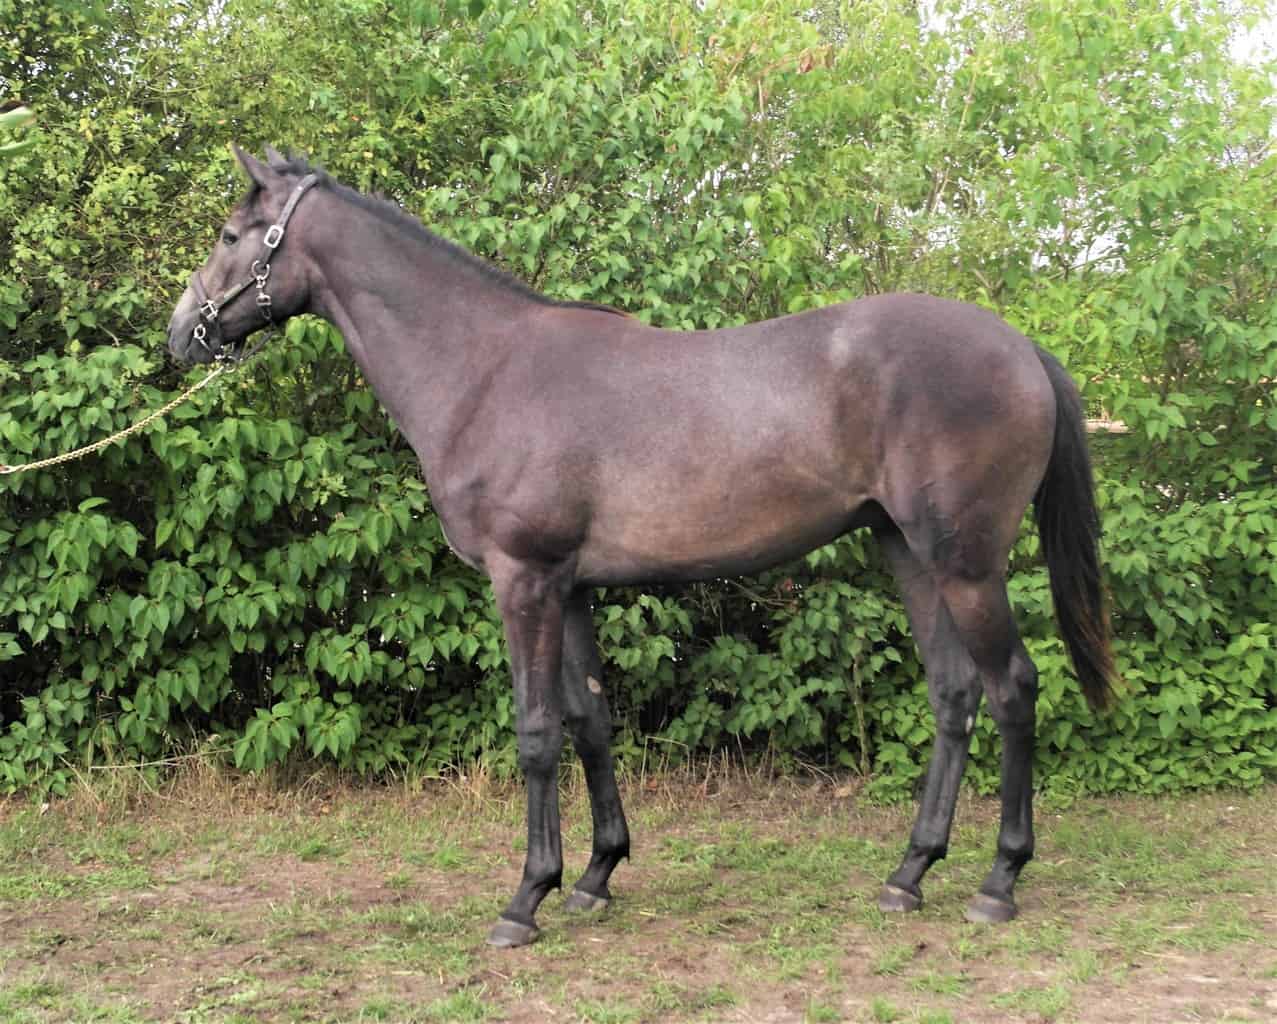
(706, 533)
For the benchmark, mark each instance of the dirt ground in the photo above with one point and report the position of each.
(747, 900)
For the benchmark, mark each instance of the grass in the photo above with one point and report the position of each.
(1044, 1003)
(465, 1006)
(229, 900)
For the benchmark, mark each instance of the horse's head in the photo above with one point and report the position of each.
(243, 286)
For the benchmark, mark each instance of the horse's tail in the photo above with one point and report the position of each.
(1069, 526)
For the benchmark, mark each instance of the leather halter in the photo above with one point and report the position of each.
(259, 273)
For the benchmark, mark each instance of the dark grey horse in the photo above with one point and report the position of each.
(567, 446)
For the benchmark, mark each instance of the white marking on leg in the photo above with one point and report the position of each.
(970, 723)
(595, 686)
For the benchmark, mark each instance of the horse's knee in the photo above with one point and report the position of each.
(539, 749)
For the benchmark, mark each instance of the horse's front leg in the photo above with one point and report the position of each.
(531, 603)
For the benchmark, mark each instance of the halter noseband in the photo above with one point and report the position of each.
(259, 273)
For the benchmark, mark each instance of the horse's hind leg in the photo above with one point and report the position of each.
(590, 725)
(982, 614)
(954, 687)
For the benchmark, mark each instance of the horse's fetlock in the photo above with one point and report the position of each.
(928, 851)
(1016, 850)
(541, 873)
(613, 849)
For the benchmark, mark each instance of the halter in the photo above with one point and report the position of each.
(259, 273)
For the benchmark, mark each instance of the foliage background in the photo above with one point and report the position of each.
(262, 574)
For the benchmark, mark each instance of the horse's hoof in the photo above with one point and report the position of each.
(986, 909)
(895, 900)
(507, 934)
(579, 902)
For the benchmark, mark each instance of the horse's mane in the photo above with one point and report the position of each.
(390, 212)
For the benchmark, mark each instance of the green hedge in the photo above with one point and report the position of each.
(262, 573)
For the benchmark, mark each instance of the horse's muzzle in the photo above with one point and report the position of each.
(181, 333)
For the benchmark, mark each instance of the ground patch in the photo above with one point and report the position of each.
(747, 900)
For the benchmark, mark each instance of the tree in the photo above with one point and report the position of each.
(12, 122)
(265, 570)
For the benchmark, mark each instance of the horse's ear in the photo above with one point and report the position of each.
(254, 168)
(275, 158)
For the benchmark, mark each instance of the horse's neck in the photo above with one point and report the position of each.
(423, 326)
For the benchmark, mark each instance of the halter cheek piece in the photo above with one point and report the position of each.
(259, 274)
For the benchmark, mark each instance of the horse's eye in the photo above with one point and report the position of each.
(229, 236)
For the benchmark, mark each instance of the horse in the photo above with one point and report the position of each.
(568, 446)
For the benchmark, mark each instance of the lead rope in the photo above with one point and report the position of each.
(141, 424)
(208, 314)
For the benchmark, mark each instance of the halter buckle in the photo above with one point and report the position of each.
(199, 334)
(208, 310)
(274, 235)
